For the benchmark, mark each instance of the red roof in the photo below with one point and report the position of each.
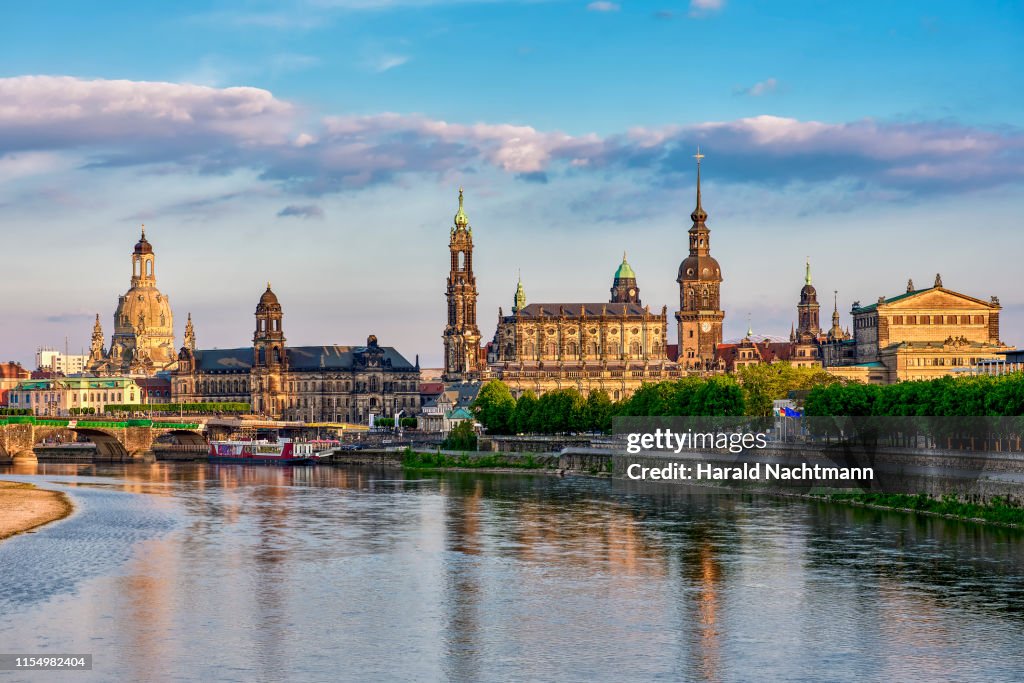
(431, 388)
(767, 351)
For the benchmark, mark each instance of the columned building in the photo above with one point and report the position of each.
(143, 339)
(310, 383)
(920, 334)
(461, 334)
(700, 314)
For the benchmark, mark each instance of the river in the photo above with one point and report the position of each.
(229, 573)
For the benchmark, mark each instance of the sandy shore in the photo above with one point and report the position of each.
(24, 507)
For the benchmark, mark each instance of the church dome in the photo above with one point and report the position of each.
(699, 268)
(625, 271)
(143, 246)
(269, 298)
(143, 307)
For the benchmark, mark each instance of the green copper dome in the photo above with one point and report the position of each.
(625, 271)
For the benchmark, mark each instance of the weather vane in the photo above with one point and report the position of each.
(698, 156)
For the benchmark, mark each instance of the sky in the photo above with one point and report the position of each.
(320, 145)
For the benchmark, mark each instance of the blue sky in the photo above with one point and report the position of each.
(320, 144)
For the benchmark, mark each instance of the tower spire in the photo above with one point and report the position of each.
(461, 219)
(807, 276)
(698, 215)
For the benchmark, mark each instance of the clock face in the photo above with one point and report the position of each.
(705, 327)
(632, 292)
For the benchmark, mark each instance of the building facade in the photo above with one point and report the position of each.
(64, 396)
(143, 339)
(613, 346)
(461, 334)
(920, 334)
(63, 363)
(310, 383)
(11, 374)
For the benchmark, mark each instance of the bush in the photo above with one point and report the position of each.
(461, 438)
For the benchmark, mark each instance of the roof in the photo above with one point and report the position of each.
(462, 393)
(13, 371)
(625, 271)
(302, 358)
(907, 295)
(431, 388)
(767, 351)
(77, 383)
(572, 310)
(459, 414)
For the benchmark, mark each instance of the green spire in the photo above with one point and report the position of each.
(461, 219)
(520, 300)
(625, 271)
(807, 277)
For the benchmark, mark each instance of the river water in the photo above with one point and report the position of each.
(199, 572)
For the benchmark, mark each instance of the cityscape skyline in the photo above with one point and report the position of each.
(320, 145)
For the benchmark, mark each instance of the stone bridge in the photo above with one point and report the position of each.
(114, 440)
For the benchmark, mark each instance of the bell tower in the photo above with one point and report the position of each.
(700, 315)
(808, 310)
(270, 359)
(461, 334)
(624, 288)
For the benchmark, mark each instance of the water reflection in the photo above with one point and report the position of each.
(233, 573)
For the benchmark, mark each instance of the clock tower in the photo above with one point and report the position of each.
(700, 279)
(624, 288)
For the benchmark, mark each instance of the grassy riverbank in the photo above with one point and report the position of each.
(998, 511)
(24, 507)
(423, 461)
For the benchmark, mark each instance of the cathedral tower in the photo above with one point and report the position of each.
(461, 334)
(624, 289)
(700, 279)
(270, 359)
(807, 311)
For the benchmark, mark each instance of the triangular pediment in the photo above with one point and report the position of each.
(937, 297)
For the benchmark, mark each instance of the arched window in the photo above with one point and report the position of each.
(551, 349)
(572, 349)
(634, 349)
(510, 350)
(461, 261)
(592, 349)
(262, 356)
(530, 350)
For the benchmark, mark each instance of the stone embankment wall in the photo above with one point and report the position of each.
(965, 474)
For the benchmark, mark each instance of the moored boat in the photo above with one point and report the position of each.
(263, 452)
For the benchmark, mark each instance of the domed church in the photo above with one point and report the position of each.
(143, 339)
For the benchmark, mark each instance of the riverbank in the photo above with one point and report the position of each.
(24, 507)
(997, 511)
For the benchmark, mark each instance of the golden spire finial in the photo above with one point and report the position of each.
(143, 231)
(268, 285)
(461, 219)
(698, 156)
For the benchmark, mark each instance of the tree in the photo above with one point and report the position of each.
(494, 407)
(461, 437)
(598, 413)
(523, 418)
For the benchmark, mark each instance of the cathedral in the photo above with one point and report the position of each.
(143, 339)
(614, 346)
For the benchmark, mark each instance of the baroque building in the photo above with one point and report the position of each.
(613, 346)
(312, 383)
(700, 315)
(461, 335)
(919, 334)
(143, 339)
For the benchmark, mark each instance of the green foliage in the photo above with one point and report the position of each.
(767, 382)
(598, 412)
(523, 417)
(461, 437)
(384, 422)
(494, 408)
(15, 411)
(717, 395)
(998, 510)
(408, 423)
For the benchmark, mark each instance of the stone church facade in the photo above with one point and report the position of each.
(143, 339)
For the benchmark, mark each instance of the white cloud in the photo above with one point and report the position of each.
(764, 87)
(204, 129)
(603, 6)
(388, 62)
(702, 8)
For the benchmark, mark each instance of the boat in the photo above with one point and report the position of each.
(263, 452)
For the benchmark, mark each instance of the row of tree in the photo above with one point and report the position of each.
(981, 395)
(15, 411)
(407, 422)
(749, 392)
